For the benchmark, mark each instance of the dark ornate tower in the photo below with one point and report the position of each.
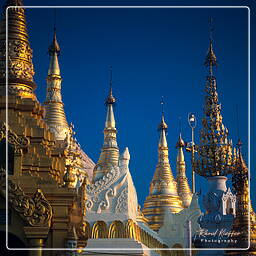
(214, 161)
(244, 226)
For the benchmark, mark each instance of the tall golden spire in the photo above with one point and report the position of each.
(54, 112)
(215, 149)
(182, 181)
(244, 225)
(20, 66)
(163, 188)
(109, 153)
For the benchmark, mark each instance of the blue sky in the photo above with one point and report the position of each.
(153, 52)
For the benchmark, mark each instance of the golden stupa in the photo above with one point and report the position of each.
(182, 181)
(109, 152)
(44, 204)
(163, 193)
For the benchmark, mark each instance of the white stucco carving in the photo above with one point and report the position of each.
(113, 197)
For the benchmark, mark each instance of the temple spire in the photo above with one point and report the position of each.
(109, 102)
(215, 149)
(20, 66)
(245, 215)
(54, 111)
(54, 52)
(211, 60)
(109, 153)
(182, 181)
(163, 188)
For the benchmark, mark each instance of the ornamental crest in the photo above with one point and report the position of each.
(35, 210)
(18, 141)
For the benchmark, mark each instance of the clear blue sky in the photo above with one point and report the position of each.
(153, 52)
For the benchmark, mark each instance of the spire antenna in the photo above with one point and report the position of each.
(54, 19)
(162, 105)
(162, 125)
(239, 141)
(237, 122)
(180, 129)
(210, 60)
(211, 28)
(110, 79)
(110, 99)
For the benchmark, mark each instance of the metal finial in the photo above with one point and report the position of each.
(54, 48)
(162, 104)
(54, 21)
(180, 143)
(110, 99)
(211, 28)
(110, 72)
(162, 125)
(180, 124)
(237, 122)
(110, 80)
(210, 59)
(239, 144)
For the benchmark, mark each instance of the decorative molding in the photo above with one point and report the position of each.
(18, 141)
(122, 200)
(17, 49)
(105, 204)
(35, 210)
(105, 182)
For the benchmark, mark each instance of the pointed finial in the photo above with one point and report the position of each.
(180, 124)
(240, 155)
(110, 80)
(162, 104)
(54, 48)
(210, 59)
(239, 144)
(54, 21)
(211, 28)
(110, 99)
(237, 122)
(180, 143)
(162, 125)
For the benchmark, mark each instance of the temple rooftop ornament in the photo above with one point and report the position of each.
(244, 226)
(214, 162)
(79, 163)
(20, 66)
(182, 181)
(109, 152)
(163, 192)
(110, 99)
(54, 111)
(215, 149)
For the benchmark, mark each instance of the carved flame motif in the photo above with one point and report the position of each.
(107, 180)
(19, 142)
(35, 210)
(122, 201)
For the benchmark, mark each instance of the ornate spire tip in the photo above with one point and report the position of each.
(162, 125)
(180, 143)
(54, 48)
(110, 99)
